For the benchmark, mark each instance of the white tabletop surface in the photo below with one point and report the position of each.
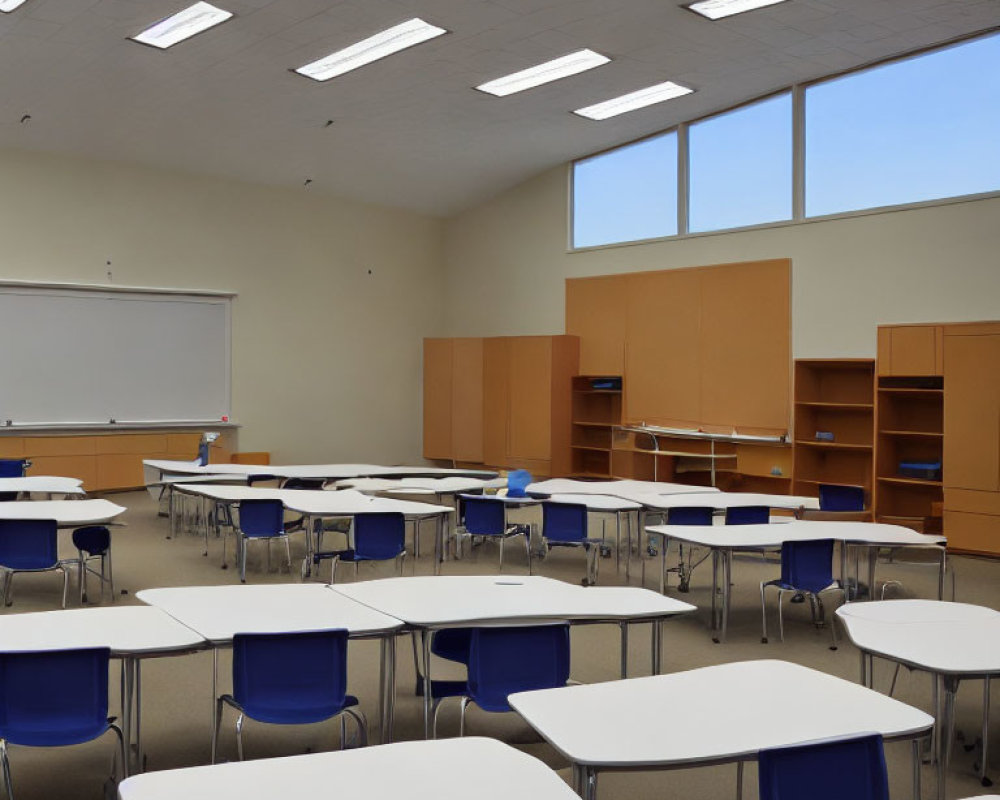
(722, 500)
(624, 488)
(726, 712)
(446, 769)
(316, 471)
(442, 600)
(127, 630)
(596, 502)
(219, 612)
(516, 502)
(437, 485)
(941, 637)
(345, 502)
(42, 483)
(67, 513)
(774, 535)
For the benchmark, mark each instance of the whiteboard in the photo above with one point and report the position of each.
(89, 356)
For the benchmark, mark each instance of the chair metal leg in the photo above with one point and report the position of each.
(239, 737)
(216, 728)
(81, 577)
(527, 550)
(122, 754)
(434, 717)
(65, 572)
(241, 556)
(895, 674)
(343, 731)
(8, 783)
(502, 540)
(781, 616)
(763, 616)
(461, 718)
(361, 722)
(111, 576)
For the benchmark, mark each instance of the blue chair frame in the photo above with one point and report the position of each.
(29, 545)
(832, 769)
(807, 569)
(565, 525)
(54, 698)
(290, 679)
(837, 497)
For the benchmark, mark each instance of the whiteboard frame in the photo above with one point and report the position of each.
(136, 291)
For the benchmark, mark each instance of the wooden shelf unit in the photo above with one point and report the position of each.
(910, 414)
(835, 396)
(594, 414)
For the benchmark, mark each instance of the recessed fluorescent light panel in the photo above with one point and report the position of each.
(634, 100)
(717, 9)
(383, 44)
(9, 5)
(183, 25)
(580, 61)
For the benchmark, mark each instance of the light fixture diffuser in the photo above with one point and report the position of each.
(659, 93)
(392, 40)
(717, 9)
(6, 6)
(183, 25)
(563, 67)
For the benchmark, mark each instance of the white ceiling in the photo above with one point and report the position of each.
(410, 131)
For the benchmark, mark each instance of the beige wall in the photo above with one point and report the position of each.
(326, 358)
(507, 261)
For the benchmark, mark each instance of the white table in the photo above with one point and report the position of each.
(726, 713)
(446, 769)
(43, 484)
(157, 467)
(723, 540)
(218, 613)
(430, 603)
(66, 513)
(131, 632)
(319, 504)
(951, 641)
(438, 486)
(622, 488)
(609, 504)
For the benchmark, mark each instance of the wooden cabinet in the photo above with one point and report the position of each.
(833, 398)
(453, 399)
(501, 401)
(595, 413)
(910, 350)
(972, 437)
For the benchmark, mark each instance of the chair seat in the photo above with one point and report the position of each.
(290, 715)
(789, 588)
(27, 562)
(40, 734)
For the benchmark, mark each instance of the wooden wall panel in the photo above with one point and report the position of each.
(662, 359)
(119, 470)
(495, 390)
(565, 364)
(746, 347)
(467, 400)
(597, 312)
(975, 533)
(529, 398)
(183, 445)
(131, 443)
(83, 467)
(39, 446)
(11, 447)
(913, 350)
(437, 398)
(972, 412)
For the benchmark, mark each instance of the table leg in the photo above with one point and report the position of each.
(739, 780)
(942, 569)
(391, 712)
(127, 676)
(579, 778)
(623, 625)
(663, 564)
(439, 544)
(425, 641)
(983, 779)
(872, 562)
(864, 672)
(947, 722)
(170, 511)
(916, 768)
(657, 646)
(848, 594)
(715, 590)
(215, 694)
(137, 669)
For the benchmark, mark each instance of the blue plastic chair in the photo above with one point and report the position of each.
(379, 536)
(834, 497)
(827, 770)
(261, 519)
(289, 679)
(506, 660)
(517, 482)
(487, 517)
(94, 541)
(12, 468)
(29, 545)
(681, 515)
(565, 525)
(748, 515)
(54, 698)
(807, 569)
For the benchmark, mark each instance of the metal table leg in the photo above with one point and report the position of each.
(623, 625)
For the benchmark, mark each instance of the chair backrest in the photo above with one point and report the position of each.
(834, 497)
(303, 483)
(379, 536)
(452, 644)
(564, 522)
(290, 678)
(28, 543)
(830, 770)
(748, 515)
(690, 515)
(12, 467)
(807, 565)
(517, 482)
(503, 661)
(54, 698)
(93, 539)
(262, 518)
(484, 516)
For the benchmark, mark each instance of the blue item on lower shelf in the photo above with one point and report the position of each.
(923, 470)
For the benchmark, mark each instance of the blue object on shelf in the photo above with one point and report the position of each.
(824, 436)
(923, 470)
(612, 384)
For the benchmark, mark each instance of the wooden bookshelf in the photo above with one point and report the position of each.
(595, 413)
(910, 428)
(836, 396)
